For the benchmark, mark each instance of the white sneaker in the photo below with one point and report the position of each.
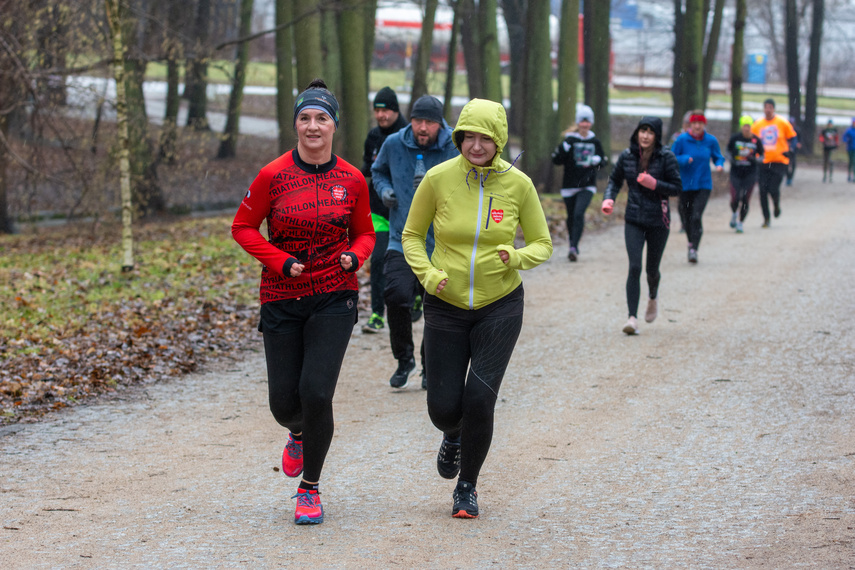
(733, 220)
(631, 326)
(652, 311)
(739, 227)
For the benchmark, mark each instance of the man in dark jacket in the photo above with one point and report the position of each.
(389, 120)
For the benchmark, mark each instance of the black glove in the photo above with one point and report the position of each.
(389, 198)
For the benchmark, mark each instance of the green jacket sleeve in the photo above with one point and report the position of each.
(422, 212)
(538, 246)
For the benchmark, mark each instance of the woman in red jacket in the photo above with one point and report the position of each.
(319, 233)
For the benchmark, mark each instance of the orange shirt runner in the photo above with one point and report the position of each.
(775, 136)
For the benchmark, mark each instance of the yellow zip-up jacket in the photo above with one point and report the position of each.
(475, 212)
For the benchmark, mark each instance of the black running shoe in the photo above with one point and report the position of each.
(777, 211)
(401, 377)
(465, 501)
(448, 459)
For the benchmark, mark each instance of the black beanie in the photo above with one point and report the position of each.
(427, 107)
(386, 99)
(317, 98)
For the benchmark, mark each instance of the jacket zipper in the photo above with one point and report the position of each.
(475, 245)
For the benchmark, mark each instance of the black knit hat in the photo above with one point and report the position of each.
(386, 99)
(317, 96)
(427, 107)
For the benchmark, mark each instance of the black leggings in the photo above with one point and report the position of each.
(656, 237)
(827, 163)
(769, 179)
(692, 205)
(576, 207)
(741, 187)
(467, 355)
(304, 344)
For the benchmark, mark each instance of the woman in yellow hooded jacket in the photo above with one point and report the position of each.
(473, 307)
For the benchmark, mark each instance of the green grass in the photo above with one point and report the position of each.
(57, 284)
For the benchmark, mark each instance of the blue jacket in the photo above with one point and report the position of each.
(849, 138)
(395, 168)
(696, 175)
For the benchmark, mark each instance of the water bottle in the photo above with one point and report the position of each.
(419, 172)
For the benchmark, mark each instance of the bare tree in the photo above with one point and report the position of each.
(540, 128)
(470, 37)
(794, 95)
(809, 127)
(228, 142)
(737, 56)
(307, 41)
(568, 63)
(490, 50)
(515, 11)
(114, 18)
(354, 80)
(284, 73)
(196, 87)
(597, 60)
(451, 69)
(711, 50)
(422, 59)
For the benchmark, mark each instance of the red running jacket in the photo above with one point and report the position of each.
(314, 214)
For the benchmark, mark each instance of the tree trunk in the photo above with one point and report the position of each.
(587, 22)
(514, 11)
(737, 57)
(172, 44)
(470, 38)
(285, 75)
(794, 96)
(539, 115)
(598, 59)
(307, 42)
(568, 63)
(354, 85)
(332, 50)
(370, 20)
(490, 50)
(809, 125)
(228, 142)
(678, 83)
(694, 46)
(422, 60)
(6, 226)
(451, 69)
(115, 21)
(197, 70)
(712, 49)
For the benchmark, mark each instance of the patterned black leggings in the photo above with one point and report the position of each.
(467, 354)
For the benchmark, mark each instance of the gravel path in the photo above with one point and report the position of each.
(720, 437)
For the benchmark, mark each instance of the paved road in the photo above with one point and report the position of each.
(721, 437)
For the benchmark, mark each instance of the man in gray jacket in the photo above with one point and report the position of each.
(403, 159)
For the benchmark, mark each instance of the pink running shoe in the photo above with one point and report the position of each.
(292, 457)
(309, 509)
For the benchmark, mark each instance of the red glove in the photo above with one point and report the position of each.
(608, 206)
(646, 180)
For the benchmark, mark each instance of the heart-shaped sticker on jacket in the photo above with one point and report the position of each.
(497, 215)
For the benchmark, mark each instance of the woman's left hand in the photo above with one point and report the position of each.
(504, 255)
(346, 262)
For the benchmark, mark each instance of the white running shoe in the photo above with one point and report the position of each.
(652, 311)
(631, 326)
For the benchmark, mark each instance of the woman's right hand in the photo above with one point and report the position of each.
(441, 285)
(297, 269)
(608, 206)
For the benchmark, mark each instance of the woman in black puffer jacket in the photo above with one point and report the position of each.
(652, 175)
